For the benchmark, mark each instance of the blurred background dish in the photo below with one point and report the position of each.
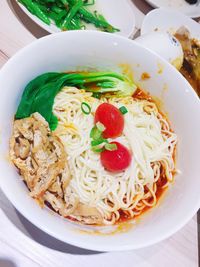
(191, 10)
(186, 30)
(164, 44)
(119, 14)
(162, 19)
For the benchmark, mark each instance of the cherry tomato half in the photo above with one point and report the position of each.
(116, 160)
(111, 118)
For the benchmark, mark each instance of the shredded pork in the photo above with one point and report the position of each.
(41, 160)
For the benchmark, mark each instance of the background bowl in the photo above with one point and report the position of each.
(81, 50)
(158, 20)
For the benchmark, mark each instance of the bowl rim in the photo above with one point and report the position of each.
(85, 245)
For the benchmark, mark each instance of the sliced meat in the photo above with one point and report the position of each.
(56, 188)
(59, 204)
(71, 201)
(87, 214)
(41, 159)
(22, 148)
(39, 155)
(44, 181)
(56, 203)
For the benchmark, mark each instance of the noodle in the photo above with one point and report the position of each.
(146, 133)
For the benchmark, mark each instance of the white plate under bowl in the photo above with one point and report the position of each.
(91, 49)
(192, 11)
(119, 13)
(165, 20)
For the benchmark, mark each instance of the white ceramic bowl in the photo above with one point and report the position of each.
(72, 50)
(178, 5)
(165, 45)
(167, 20)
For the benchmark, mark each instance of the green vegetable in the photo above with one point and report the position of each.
(88, 3)
(98, 145)
(96, 95)
(86, 109)
(72, 12)
(100, 126)
(101, 144)
(123, 110)
(65, 3)
(67, 14)
(97, 142)
(98, 21)
(29, 95)
(39, 94)
(95, 133)
(34, 8)
(56, 9)
(110, 147)
(97, 149)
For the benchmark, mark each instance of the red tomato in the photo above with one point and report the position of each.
(111, 118)
(116, 160)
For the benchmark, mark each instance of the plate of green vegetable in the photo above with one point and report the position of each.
(63, 15)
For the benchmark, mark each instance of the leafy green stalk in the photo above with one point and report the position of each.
(40, 93)
(88, 3)
(71, 14)
(35, 9)
(88, 17)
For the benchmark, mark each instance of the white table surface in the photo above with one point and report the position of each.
(22, 244)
